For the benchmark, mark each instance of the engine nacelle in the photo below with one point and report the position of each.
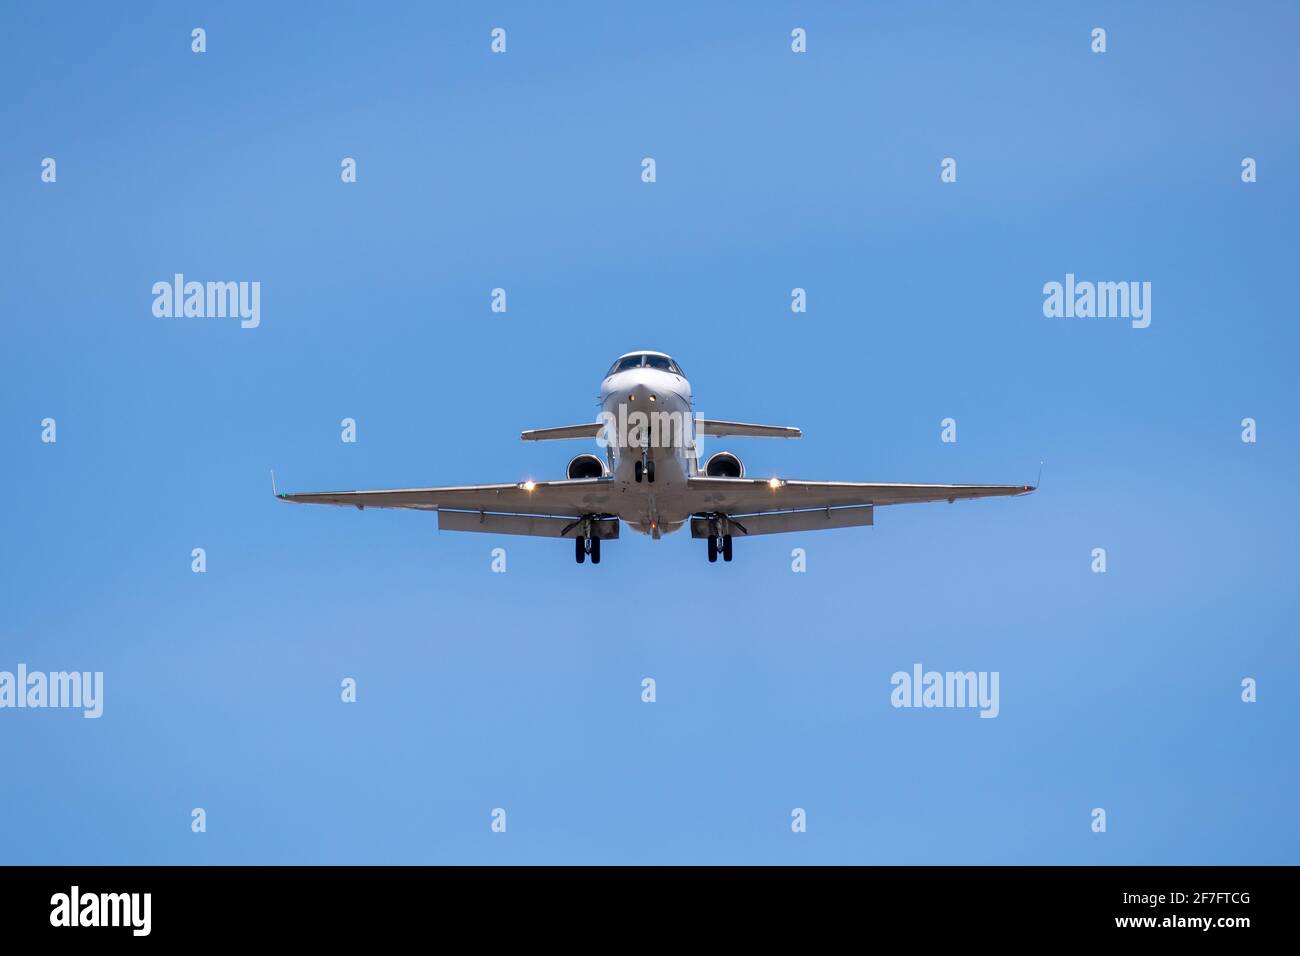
(724, 465)
(585, 466)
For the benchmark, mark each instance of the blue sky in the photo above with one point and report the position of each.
(522, 690)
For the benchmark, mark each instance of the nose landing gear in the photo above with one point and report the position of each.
(644, 469)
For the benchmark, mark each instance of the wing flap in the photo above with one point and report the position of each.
(535, 526)
(779, 522)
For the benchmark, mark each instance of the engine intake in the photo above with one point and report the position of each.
(585, 466)
(724, 465)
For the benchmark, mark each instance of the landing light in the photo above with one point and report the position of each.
(774, 483)
(652, 398)
(529, 485)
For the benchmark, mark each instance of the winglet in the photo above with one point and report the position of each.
(273, 491)
(1038, 483)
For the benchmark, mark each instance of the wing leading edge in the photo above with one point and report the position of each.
(570, 498)
(751, 496)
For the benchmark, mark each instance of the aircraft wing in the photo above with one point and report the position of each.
(543, 508)
(753, 496)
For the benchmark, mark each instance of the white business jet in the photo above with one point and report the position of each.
(650, 477)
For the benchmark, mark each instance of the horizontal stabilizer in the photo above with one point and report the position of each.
(564, 431)
(708, 426)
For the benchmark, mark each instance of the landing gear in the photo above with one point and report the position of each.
(645, 468)
(586, 546)
(719, 537)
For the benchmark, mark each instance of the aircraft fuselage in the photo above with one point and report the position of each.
(650, 446)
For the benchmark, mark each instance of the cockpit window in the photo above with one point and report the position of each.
(626, 363)
(661, 362)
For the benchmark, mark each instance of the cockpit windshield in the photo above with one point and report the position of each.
(661, 362)
(627, 363)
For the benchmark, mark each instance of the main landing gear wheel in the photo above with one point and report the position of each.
(713, 549)
(586, 546)
(726, 547)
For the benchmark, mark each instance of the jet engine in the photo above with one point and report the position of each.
(585, 466)
(724, 465)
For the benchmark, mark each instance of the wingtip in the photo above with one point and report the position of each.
(274, 491)
(1038, 483)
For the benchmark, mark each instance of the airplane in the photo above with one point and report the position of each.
(651, 479)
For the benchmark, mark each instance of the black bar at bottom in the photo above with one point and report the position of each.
(332, 904)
